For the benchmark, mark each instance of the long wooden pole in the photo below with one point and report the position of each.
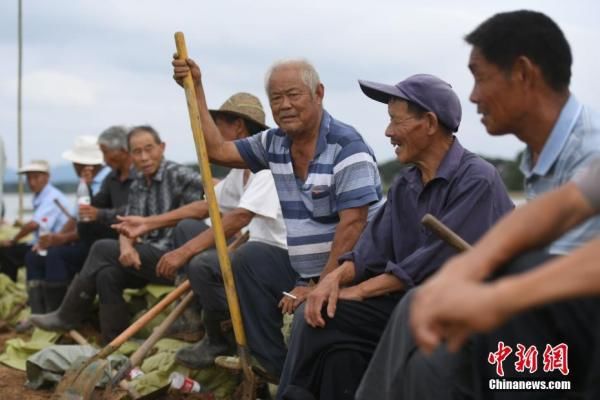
(19, 108)
(215, 215)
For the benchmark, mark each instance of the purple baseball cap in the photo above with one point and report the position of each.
(427, 91)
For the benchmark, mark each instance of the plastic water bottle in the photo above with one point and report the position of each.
(183, 383)
(43, 230)
(83, 195)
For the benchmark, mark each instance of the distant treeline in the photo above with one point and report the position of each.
(509, 170)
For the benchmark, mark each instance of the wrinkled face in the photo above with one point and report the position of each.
(407, 133)
(496, 94)
(146, 153)
(114, 158)
(37, 181)
(295, 109)
(229, 130)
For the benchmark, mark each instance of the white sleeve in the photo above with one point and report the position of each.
(260, 196)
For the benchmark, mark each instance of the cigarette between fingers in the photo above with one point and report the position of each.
(291, 296)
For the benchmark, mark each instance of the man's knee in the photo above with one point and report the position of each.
(187, 229)
(201, 266)
(104, 248)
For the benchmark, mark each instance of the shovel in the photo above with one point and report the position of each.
(445, 233)
(249, 382)
(138, 356)
(79, 382)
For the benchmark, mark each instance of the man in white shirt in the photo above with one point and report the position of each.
(246, 201)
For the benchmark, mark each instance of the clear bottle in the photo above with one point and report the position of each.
(83, 195)
(43, 229)
(183, 383)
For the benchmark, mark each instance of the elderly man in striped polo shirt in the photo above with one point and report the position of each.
(328, 186)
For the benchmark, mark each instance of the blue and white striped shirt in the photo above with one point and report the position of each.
(343, 174)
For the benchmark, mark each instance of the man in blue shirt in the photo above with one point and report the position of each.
(328, 185)
(330, 349)
(13, 253)
(521, 63)
(68, 249)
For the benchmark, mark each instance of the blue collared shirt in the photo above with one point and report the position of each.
(343, 174)
(573, 142)
(467, 195)
(44, 206)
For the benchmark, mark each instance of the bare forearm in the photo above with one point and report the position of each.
(125, 242)
(564, 277)
(25, 230)
(380, 285)
(531, 226)
(196, 210)
(346, 235)
(232, 223)
(66, 237)
(216, 146)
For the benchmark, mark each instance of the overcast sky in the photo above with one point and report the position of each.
(90, 64)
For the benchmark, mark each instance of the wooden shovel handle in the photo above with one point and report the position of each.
(445, 233)
(150, 315)
(209, 190)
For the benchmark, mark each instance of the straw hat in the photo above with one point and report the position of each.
(244, 105)
(35, 166)
(86, 151)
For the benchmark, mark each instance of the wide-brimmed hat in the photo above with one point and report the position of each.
(35, 166)
(427, 91)
(244, 105)
(86, 151)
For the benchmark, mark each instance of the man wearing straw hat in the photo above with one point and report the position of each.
(115, 264)
(247, 200)
(327, 183)
(13, 253)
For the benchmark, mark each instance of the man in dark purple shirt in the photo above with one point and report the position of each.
(348, 310)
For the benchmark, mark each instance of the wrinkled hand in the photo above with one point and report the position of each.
(87, 173)
(88, 213)
(170, 262)
(289, 305)
(181, 69)
(326, 292)
(351, 293)
(132, 226)
(129, 257)
(439, 314)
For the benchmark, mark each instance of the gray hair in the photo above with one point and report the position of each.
(308, 73)
(115, 138)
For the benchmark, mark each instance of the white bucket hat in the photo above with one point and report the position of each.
(86, 151)
(35, 166)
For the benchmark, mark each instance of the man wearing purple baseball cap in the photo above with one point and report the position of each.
(346, 314)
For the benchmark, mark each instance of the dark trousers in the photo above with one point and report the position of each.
(399, 370)
(102, 267)
(13, 257)
(60, 264)
(261, 273)
(327, 363)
